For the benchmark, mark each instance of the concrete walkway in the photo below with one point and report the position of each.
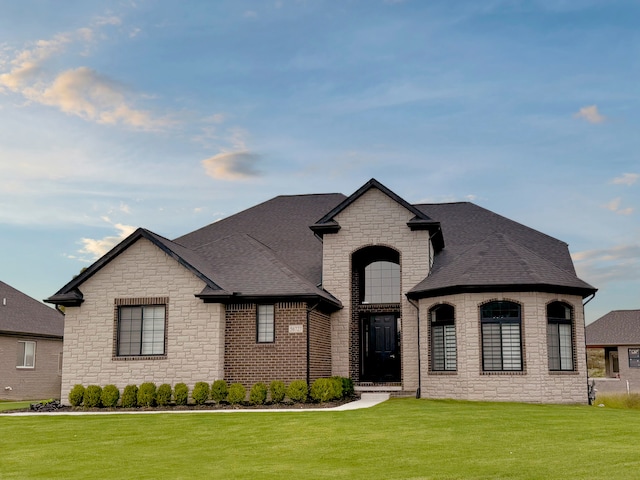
(366, 400)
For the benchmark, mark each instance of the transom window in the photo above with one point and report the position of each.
(265, 324)
(501, 337)
(382, 282)
(560, 336)
(141, 330)
(443, 338)
(26, 354)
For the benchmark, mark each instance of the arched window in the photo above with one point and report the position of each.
(382, 282)
(560, 336)
(501, 336)
(443, 338)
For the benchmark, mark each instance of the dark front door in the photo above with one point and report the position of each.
(381, 351)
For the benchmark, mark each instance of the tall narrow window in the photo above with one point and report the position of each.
(266, 324)
(501, 337)
(382, 282)
(26, 354)
(443, 338)
(141, 330)
(560, 336)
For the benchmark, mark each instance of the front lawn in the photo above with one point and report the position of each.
(399, 439)
(14, 406)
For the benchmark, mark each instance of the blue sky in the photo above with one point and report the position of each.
(171, 115)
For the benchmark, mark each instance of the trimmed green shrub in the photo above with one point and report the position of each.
(297, 391)
(347, 387)
(92, 396)
(163, 395)
(181, 393)
(200, 393)
(278, 390)
(258, 394)
(130, 396)
(326, 389)
(110, 396)
(237, 393)
(76, 395)
(147, 394)
(219, 391)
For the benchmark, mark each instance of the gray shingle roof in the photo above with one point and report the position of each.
(21, 314)
(618, 327)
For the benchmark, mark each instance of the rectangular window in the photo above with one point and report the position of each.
(634, 358)
(141, 330)
(560, 345)
(501, 337)
(26, 354)
(265, 324)
(444, 347)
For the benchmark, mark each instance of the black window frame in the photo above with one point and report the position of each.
(441, 317)
(554, 345)
(500, 316)
(120, 352)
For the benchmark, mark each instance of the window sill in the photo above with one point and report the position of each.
(563, 372)
(139, 357)
(443, 372)
(25, 368)
(504, 372)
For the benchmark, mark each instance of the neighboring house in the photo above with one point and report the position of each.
(618, 334)
(30, 347)
(438, 300)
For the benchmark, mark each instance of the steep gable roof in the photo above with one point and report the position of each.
(618, 327)
(21, 314)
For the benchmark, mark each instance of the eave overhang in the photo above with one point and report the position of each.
(226, 298)
(458, 289)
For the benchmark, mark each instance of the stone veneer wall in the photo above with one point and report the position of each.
(38, 383)
(374, 219)
(194, 330)
(249, 362)
(535, 384)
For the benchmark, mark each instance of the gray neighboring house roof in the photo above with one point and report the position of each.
(274, 250)
(618, 327)
(23, 315)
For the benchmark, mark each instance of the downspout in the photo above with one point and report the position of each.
(590, 388)
(309, 310)
(417, 307)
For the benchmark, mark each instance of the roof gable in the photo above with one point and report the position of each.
(618, 327)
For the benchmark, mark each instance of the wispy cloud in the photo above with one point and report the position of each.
(92, 249)
(591, 114)
(614, 206)
(235, 163)
(608, 265)
(626, 179)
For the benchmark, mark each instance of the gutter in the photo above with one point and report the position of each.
(590, 388)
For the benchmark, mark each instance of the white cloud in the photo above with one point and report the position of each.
(111, 20)
(232, 165)
(614, 206)
(626, 179)
(607, 265)
(590, 114)
(96, 248)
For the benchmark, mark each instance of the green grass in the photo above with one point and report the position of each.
(399, 439)
(4, 406)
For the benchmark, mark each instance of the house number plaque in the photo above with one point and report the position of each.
(295, 329)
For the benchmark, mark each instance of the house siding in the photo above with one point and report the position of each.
(194, 330)
(319, 345)
(534, 384)
(374, 219)
(38, 383)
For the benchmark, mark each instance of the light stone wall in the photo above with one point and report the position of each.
(195, 330)
(535, 384)
(375, 219)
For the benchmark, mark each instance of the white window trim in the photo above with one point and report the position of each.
(24, 355)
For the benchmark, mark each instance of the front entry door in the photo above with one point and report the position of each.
(381, 350)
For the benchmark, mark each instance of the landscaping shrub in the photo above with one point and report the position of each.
(200, 393)
(219, 391)
(347, 387)
(297, 391)
(92, 396)
(181, 393)
(76, 395)
(258, 394)
(110, 396)
(130, 396)
(147, 394)
(278, 391)
(237, 393)
(163, 395)
(326, 389)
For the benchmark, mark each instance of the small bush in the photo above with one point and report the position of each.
(76, 395)
(347, 387)
(278, 391)
(110, 396)
(130, 396)
(258, 394)
(92, 396)
(237, 393)
(219, 391)
(181, 393)
(200, 393)
(326, 389)
(147, 394)
(297, 391)
(163, 395)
